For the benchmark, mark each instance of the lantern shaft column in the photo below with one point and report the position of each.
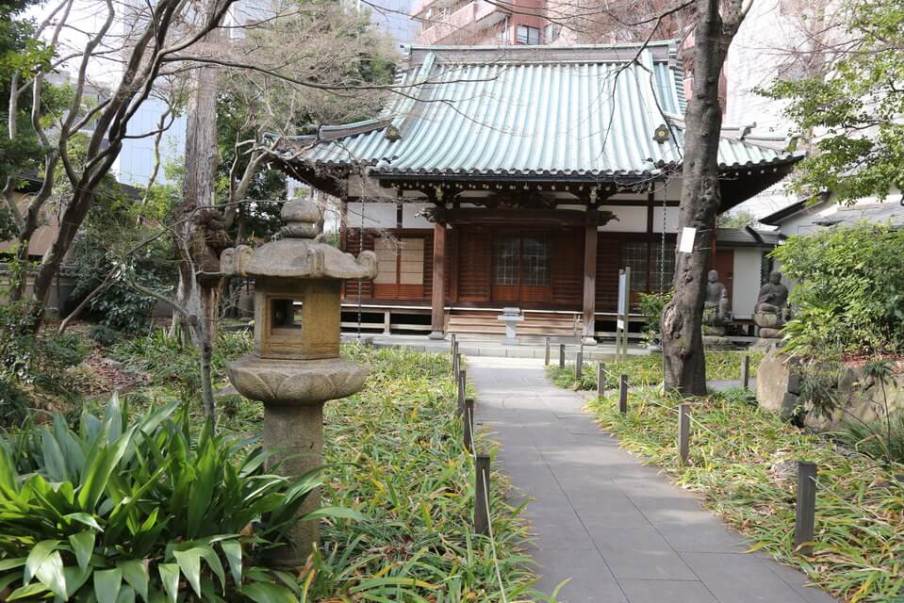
(294, 436)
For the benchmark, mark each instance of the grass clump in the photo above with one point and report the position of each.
(739, 463)
(646, 370)
(394, 452)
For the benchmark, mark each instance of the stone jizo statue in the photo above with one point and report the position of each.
(773, 296)
(771, 310)
(716, 307)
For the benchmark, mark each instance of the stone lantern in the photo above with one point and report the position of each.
(295, 366)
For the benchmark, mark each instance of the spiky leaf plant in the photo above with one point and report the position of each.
(122, 510)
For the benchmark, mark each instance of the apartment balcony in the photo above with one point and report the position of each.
(467, 20)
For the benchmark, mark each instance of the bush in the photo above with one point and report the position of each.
(651, 306)
(849, 295)
(37, 361)
(171, 364)
(120, 509)
(103, 335)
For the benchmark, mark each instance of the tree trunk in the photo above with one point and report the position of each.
(682, 337)
(199, 296)
(70, 222)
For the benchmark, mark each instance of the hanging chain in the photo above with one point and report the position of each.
(360, 281)
(665, 209)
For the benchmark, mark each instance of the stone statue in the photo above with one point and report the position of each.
(716, 307)
(773, 296)
(771, 310)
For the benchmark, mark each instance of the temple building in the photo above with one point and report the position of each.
(527, 176)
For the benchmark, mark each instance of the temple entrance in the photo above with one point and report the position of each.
(521, 268)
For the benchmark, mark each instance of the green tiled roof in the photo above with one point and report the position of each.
(585, 112)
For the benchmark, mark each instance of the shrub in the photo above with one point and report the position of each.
(103, 335)
(170, 363)
(850, 290)
(651, 306)
(38, 361)
(120, 509)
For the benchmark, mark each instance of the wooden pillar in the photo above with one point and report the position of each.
(438, 294)
(590, 242)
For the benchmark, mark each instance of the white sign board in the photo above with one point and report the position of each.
(686, 244)
(622, 293)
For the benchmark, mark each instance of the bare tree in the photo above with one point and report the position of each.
(154, 36)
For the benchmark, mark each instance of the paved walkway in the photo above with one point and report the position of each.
(619, 530)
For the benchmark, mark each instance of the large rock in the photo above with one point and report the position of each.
(849, 394)
(772, 378)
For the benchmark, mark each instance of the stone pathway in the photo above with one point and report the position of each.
(613, 526)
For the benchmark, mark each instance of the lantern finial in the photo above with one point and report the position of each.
(303, 218)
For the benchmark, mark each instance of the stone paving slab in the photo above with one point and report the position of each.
(613, 528)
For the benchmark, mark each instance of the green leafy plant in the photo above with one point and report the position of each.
(34, 364)
(120, 510)
(103, 335)
(849, 296)
(651, 306)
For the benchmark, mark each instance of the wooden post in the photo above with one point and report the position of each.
(805, 521)
(546, 354)
(623, 394)
(745, 371)
(460, 381)
(469, 423)
(589, 301)
(561, 355)
(438, 292)
(684, 432)
(601, 380)
(387, 322)
(482, 494)
(578, 365)
(452, 343)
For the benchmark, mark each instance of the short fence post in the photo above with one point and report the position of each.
(805, 521)
(623, 394)
(462, 389)
(578, 366)
(684, 432)
(452, 344)
(469, 423)
(601, 380)
(482, 494)
(745, 371)
(561, 355)
(546, 354)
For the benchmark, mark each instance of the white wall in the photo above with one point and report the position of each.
(376, 215)
(671, 219)
(630, 219)
(746, 285)
(410, 217)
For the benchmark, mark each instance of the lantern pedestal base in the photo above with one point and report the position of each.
(295, 382)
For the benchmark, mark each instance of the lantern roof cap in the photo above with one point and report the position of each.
(299, 252)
